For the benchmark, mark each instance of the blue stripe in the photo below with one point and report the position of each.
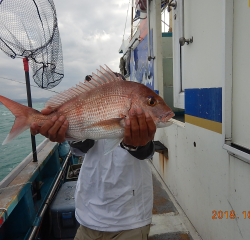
(204, 103)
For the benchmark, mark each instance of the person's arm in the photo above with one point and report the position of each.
(143, 152)
(83, 146)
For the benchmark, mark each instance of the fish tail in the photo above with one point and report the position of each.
(22, 114)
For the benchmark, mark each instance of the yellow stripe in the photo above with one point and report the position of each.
(204, 123)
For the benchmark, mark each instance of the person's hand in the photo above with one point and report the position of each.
(139, 128)
(54, 128)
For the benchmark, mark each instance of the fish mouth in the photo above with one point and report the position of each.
(166, 116)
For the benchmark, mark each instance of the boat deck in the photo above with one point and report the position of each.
(169, 221)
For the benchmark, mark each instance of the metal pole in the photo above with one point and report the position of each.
(132, 12)
(148, 22)
(164, 19)
(27, 78)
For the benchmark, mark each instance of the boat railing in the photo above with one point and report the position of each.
(9, 178)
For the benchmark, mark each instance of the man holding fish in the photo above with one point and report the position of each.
(116, 120)
(112, 214)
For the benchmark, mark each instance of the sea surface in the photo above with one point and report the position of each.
(15, 151)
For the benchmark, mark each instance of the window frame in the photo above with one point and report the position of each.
(227, 89)
(178, 32)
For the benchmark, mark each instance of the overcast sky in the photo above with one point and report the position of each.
(91, 35)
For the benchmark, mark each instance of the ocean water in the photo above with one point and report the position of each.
(15, 151)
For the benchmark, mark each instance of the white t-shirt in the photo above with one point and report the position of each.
(114, 192)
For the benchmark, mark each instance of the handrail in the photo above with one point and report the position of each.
(149, 42)
(49, 199)
(9, 178)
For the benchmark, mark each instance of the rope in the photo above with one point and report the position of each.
(25, 84)
(165, 23)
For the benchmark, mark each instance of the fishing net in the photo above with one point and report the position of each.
(28, 29)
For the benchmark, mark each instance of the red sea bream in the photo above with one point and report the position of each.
(95, 109)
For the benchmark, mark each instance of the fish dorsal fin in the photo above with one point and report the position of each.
(60, 98)
(110, 71)
(102, 77)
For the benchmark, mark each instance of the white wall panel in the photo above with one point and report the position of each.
(203, 59)
(206, 178)
(241, 74)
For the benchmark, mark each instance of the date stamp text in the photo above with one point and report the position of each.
(229, 214)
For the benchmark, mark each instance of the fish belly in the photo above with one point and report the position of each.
(101, 118)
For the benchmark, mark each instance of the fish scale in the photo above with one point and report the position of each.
(95, 109)
(97, 113)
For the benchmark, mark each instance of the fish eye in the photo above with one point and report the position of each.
(152, 101)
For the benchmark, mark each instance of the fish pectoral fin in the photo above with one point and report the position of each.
(111, 144)
(107, 124)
